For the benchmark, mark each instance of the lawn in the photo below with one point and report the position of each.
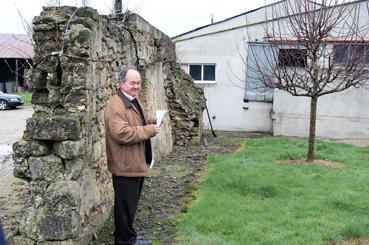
(249, 197)
(27, 98)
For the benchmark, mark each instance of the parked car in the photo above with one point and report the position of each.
(10, 101)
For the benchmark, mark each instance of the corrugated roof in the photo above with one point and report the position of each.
(16, 46)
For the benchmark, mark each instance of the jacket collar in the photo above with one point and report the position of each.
(124, 98)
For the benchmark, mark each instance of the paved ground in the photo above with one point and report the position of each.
(13, 191)
(362, 143)
(12, 125)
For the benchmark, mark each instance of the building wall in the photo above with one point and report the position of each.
(225, 98)
(341, 115)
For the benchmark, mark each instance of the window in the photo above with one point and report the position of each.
(202, 72)
(354, 52)
(195, 72)
(292, 57)
(258, 58)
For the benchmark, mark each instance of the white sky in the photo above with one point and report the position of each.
(173, 17)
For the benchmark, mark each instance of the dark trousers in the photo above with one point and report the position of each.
(127, 191)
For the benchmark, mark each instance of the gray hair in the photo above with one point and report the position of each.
(123, 72)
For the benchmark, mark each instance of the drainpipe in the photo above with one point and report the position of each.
(16, 76)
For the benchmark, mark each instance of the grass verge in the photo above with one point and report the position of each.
(27, 98)
(250, 198)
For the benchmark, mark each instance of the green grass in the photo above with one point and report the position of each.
(249, 198)
(27, 98)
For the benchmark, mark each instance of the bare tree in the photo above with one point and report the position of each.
(313, 49)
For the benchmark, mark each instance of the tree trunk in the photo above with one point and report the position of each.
(312, 127)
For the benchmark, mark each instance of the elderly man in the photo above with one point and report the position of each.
(128, 149)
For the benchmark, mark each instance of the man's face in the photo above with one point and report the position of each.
(132, 84)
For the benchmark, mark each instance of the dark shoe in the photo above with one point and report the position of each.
(143, 242)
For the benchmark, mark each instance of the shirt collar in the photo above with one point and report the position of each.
(128, 96)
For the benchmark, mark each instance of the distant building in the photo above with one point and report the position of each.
(216, 56)
(16, 52)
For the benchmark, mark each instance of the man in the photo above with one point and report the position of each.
(128, 151)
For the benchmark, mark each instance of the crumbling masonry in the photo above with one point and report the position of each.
(62, 152)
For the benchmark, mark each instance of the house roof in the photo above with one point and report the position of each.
(248, 12)
(16, 46)
(225, 20)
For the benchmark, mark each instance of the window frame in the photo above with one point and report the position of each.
(202, 72)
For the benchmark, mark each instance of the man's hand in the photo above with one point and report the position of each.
(154, 129)
(152, 120)
(157, 129)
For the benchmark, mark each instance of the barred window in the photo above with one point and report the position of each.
(292, 57)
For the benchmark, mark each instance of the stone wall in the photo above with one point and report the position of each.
(62, 153)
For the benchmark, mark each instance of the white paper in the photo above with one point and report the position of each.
(159, 116)
(152, 152)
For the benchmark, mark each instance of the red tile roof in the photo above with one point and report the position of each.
(294, 40)
(16, 46)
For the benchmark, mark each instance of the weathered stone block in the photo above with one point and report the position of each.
(53, 127)
(20, 169)
(57, 217)
(68, 149)
(76, 97)
(54, 97)
(77, 34)
(19, 240)
(40, 97)
(51, 225)
(86, 22)
(73, 168)
(48, 168)
(37, 79)
(88, 12)
(62, 195)
(30, 148)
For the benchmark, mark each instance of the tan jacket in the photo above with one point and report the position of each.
(125, 137)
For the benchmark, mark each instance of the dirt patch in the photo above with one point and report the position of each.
(170, 186)
(324, 163)
(361, 241)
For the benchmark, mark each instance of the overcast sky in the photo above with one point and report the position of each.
(173, 17)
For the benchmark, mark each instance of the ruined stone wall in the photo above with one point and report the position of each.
(62, 153)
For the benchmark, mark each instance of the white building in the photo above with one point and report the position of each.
(216, 57)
